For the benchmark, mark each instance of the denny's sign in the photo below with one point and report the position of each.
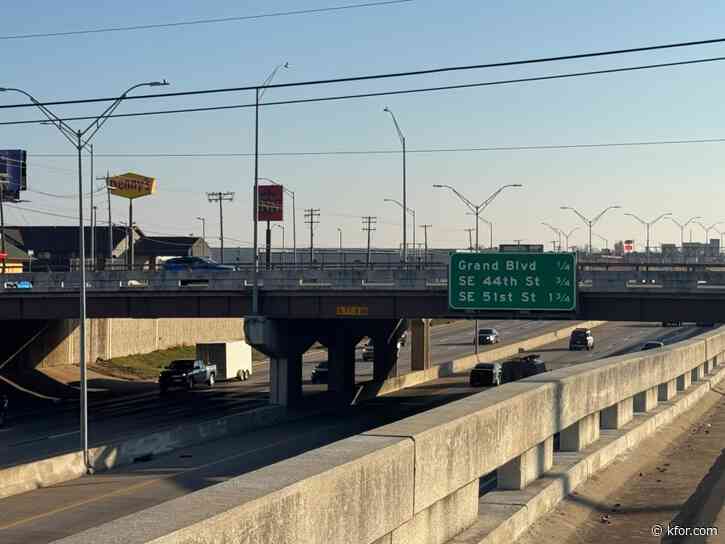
(130, 185)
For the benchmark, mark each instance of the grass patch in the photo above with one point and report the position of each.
(146, 366)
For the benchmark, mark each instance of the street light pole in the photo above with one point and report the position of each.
(590, 222)
(566, 236)
(683, 226)
(339, 231)
(203, 228)
(477, 209)
(408, 210)
(708, 229)
(556, 231)
(648, 225)
(405, 196)
(80, 140)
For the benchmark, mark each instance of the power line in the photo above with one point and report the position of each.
(217, 155)
(309, 11)
(427, 71)
(388, 93)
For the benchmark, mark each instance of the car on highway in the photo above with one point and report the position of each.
(511, 370)
(486, 374)
(488, 336)
(187, 373)
(188, 264)
(672, 323)
(320, 373)
(581, 339)
(652, 344)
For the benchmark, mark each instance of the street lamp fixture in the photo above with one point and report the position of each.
(648, 225)
(590, 222)
(476, 209)
(80, 140)
(555, 230)
(708, 229)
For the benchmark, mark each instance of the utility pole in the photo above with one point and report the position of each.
(221, 198)
(93, 228)
(339, 232)
(110, 225)
(368, 225)
(425, 240)
(311, 218)
(470, 238)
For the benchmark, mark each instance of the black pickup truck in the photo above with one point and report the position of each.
(186, 373)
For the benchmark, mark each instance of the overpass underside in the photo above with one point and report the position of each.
(641, 304)
(286, 340)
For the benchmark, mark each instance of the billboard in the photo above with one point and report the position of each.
(130, 185)
(14, 167)
(628, 246)
(270, 203)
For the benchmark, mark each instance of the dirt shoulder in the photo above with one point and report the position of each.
(676, 477)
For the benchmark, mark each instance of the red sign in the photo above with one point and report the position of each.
(628, 246)
(270, 203)
(3, 256)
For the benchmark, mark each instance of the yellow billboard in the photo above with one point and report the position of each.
(130, 185)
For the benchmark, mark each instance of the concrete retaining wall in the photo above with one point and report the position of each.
(117, 337)
(401, 479)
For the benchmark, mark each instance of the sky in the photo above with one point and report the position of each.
(676, 103)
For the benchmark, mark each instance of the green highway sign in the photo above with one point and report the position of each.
(512, 281)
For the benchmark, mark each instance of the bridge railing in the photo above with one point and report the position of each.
(417, 480)
(429, 279)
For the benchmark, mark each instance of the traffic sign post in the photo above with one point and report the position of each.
(512, 281)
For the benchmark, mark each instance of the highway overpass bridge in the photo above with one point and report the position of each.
(338, 307)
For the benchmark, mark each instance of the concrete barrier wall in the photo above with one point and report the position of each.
(373, 389)
(61, 468)
(414, 472)
(117, 337)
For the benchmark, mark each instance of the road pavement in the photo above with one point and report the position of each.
(47, 514)
(56, 430)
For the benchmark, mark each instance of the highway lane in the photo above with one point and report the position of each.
(47, 514)
(51, 434)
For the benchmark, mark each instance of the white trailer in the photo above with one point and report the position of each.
(233, 359)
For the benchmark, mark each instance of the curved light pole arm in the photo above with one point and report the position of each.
(490, 199)
(668, 214)
(467, 202)
(96, 125)
(66, 130)
(270, 77)
(637, 218)
(605, 210)
(586, 221)
(397, 126)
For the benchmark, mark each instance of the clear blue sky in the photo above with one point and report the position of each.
(671, 103)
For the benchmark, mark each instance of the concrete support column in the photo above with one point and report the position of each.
(646, 400)
(618, 415)
(707, 367)
(341, 362)
(420, 348)
(527, 467)
(667, 391)
(285, 377)
(684, 381)
(385, 363)
(578, 436)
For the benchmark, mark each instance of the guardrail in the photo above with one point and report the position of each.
(431, 279)
(417, 480)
